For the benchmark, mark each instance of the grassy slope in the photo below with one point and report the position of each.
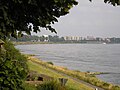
(71, 83)
(47, 69)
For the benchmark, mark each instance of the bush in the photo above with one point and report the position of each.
(51, 85)
(29, 86)
(51, 63)
(13, 68)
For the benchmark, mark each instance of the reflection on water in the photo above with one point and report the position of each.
(83, 57)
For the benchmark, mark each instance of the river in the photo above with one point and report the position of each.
(83, 57)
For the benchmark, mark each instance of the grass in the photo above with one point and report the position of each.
(43, 67)
(29, 86)
(71, 84)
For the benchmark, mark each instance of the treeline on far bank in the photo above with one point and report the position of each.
(57, 39)
(34, 38)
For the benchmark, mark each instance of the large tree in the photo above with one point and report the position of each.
(15, 18)
(16, 15)
(113, 2)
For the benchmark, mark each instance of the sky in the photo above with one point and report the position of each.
(89, 19)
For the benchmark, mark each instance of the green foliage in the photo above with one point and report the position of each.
(29, 86)
(13, 68)
(51, 63)
(113, 2)
(32, 76)
(51, 85)
(16, 15)
(82, 76)
(34, 38)
(25, 38)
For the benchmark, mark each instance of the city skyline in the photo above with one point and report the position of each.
(68, 39)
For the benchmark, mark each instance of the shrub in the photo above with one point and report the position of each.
(29, 86)
(51, 85)
(51, 63)
(13, 68)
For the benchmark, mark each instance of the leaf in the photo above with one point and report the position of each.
(1, 80)
(90, 0)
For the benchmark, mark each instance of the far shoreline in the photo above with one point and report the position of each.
(29, 42)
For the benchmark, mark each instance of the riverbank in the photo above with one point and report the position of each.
(41, 67)
(27, 43)
(85, 76)
(35, 42)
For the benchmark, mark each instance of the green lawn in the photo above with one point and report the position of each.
(73, 85)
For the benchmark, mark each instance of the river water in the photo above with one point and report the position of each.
(83, 57)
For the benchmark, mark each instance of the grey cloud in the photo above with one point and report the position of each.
(96, 19)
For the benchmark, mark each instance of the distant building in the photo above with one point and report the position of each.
(90, 38)
(72, 38)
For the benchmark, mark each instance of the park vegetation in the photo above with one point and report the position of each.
(85, 76)
(24, 16)
(55, 75)
(13, 68)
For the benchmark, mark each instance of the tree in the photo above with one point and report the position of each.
(113, 2)
(16, 16)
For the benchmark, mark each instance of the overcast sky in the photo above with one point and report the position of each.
(89, 19)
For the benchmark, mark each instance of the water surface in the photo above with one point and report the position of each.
(83, 57)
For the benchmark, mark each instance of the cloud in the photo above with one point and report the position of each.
(96, 18)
